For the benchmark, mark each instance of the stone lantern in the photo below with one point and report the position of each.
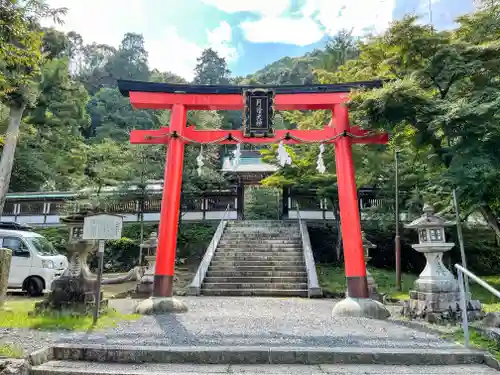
(75, 289)
(436, 294)
(145, 286)
(372, 287)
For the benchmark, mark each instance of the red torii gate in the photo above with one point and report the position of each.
(181, 98)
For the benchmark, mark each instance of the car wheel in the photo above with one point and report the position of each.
(34, 287)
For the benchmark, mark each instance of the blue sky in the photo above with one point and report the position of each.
(248, 33)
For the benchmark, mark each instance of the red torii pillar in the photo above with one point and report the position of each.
(338, 132)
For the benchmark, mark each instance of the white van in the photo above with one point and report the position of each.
(35, 263)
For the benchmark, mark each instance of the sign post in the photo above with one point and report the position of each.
(101, 227)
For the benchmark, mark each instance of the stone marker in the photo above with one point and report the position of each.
(144, 288)
(372, 286)
(5, 259)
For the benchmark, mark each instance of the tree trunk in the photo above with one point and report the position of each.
(9, 149)
(491, 219)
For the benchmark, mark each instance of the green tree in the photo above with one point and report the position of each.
(445, 98)
(107, 164)
(211, 69)
(113, 117)
(55, 134)
(20, 60)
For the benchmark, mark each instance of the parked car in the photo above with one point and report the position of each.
(35, 262)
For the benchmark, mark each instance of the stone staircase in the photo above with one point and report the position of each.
(258, 258)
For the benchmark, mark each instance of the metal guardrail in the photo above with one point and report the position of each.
(313, 288)
(464, 297)
(195, 286)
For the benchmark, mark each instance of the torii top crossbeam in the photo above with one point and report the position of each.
(258, 104)
(200, 97)
(165, 95)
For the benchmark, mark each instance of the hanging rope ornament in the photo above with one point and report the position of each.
(320, 164)
(283, 156)
(199, 161)
(236, 156)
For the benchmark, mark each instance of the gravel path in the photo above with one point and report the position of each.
(260, 321)
(193, 369)
(241, 321)
(30, 340)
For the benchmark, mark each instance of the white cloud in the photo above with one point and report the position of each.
(300, 32)
(264, 7)
(272, 26)
(353, 14)
(318, 17)
(101, 21)
(220, 39)
(168, 51)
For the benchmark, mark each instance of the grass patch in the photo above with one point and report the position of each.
(332, 279)
(11, 351)
(19, 317)
(477, 340)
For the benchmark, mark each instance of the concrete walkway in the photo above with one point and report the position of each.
(245, 321)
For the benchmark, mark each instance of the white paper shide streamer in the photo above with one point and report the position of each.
(199, 162)
(283, 156)
(236, 156)
(320, 164)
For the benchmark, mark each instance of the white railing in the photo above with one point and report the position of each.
(313, 287)
(195, 286)
(464, 298)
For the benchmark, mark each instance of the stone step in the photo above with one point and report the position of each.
(253, 268)
(255, 238)
(256, 263)
(263, 230)
(262, 223)
(97, 368)
(255, 292)
(254, 279)
(261, 250)
(255, 273)
(260, 245)
(245, 243)
(252, 257)
(256, 286)
(264, 354)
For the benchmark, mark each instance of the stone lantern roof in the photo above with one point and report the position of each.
(78, 217)
(429, 219)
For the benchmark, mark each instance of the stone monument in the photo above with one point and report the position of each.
(5, 259)
(372, 287)
(144, 288)
(436, 295)
(75, 289)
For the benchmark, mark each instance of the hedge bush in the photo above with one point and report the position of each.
(482, 252)
(123, 254)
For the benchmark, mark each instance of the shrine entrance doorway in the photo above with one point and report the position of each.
(262, 203)
(258, 105)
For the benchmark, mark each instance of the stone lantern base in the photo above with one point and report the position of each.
(436, 307)
(372, 288)
(144, 288)
(72, 293)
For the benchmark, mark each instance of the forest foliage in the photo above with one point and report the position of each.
(440, 103)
